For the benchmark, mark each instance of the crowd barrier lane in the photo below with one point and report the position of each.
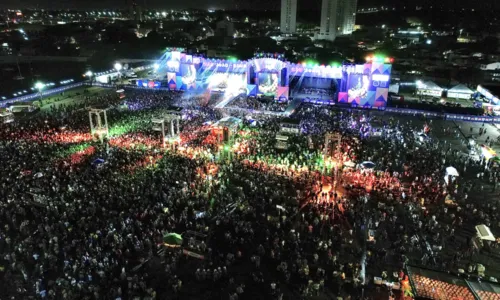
(36, 96)
(396, 110)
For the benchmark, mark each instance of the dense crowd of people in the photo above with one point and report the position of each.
(81, 219)
(253, 103)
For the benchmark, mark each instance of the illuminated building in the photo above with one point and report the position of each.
(347, 16)
(288, 22)
(328, 27)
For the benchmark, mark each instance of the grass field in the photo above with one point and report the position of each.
(71, 96)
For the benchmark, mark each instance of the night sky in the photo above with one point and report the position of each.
(217, 4)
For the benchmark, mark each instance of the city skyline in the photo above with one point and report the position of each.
(234, 4)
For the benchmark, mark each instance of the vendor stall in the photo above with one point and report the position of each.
(460, 92)
(429, 88)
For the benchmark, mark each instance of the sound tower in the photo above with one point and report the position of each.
(283, 77)
(251, 75)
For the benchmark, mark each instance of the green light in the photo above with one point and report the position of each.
(226, 148)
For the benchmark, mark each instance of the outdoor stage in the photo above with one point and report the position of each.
(269, 75)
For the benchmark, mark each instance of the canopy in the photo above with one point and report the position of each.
(429, 88)
(349, 164)
(460, 91)
(230, 122)
(172, 239)
(430, 85)
(368, 165)
(98, 161)
(451, 171)
(484, 233)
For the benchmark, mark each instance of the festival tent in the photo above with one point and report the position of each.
(484, 233)
(429, 88)
(349, 164)
(460, 92)
(98, 162)
(368, 165)
(230, 122)
(172, 239)
(451, 171)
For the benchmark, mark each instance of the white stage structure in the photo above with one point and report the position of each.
(99, 129)
(173, 126)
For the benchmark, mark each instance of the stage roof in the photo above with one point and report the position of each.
(230, 122)
(461, 89)
(430, 85)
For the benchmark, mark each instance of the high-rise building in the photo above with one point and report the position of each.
(328, 26)
(347, 16)
(288, 22)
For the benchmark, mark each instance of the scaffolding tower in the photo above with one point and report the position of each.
(98, 124)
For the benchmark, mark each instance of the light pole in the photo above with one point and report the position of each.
(39, 86)
(118, 67)
(89, 74)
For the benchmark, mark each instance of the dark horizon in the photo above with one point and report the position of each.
(235, 4)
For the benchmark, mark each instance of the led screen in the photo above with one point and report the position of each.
(188, 73)
(172, 66)
(268, 83)
(233, 83)
(359, 85)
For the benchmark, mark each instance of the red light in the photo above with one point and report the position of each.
(391, 60)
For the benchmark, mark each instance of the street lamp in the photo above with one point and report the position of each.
(89, 74)
(118, 67)
(39, 86)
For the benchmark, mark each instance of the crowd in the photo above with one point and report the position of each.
(253, 103)
(257, 222)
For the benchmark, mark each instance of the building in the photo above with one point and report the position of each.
(347, 16)
(288, 22)
(328, 26)
(224, 28)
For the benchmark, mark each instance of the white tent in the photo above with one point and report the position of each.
(349, 164)
(451, 171)
(429, 88)
(460, 91)
(484, 233)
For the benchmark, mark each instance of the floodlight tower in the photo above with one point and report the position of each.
(329, 138)
(173, 128)
(159, 125)
(100, 127)
(40, 86)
